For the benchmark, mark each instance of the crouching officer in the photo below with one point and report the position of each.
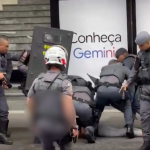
(50, 100)
(23, 68)
(142, 69)
(83, 100)
(111, 78)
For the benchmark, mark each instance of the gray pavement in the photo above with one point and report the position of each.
(23, 139)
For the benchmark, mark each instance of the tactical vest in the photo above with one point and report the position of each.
(144, 70)
(82, 93)
(114, 70)
(47, 98)
(81, 90)
(77, 80)
(129, 61)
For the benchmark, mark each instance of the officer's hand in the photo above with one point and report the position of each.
(2, 77)
(4, 85)
(124, 87)
(75, 133)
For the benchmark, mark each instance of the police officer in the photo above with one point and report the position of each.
(128, 60)
(5, 67)
(111, 78)
(142, 69)
(83, 100)
(23, 68)
(123, 56)
(51, 95)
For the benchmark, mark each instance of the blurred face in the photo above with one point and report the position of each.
(121, 58)
(4, 45)
(144, 46)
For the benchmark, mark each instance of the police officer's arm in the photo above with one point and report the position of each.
(30, 95)
(68, 107)
(13, 56)
(127, 72)
(10, 57)
(9, 70)
(22, 68)
(134, 71)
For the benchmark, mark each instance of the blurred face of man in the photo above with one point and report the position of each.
(144, 46)
(4, 45)
(121, 57)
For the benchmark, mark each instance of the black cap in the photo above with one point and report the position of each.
(120, 51)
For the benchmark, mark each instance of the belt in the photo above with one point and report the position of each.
(109, 84)
(90, 103)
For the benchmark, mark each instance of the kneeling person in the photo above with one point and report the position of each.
(82, 98)
(111, 78)
(50, 100)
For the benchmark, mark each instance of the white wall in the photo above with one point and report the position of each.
(106, 18)
(143, 16)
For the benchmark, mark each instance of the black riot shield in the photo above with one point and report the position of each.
(43, 39)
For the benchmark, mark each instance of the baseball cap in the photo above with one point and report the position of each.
(142, 37)
(120, 51)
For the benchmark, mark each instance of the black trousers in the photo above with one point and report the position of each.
(3, 105)
(111, 95)
(64, 142)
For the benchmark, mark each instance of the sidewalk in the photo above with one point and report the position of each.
(23, 138)
(22, 141)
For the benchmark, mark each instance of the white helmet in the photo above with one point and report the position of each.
(56, 55)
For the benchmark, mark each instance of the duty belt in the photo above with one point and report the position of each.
(90, 103)
(109, 84)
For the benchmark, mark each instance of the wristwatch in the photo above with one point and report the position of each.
(76, 127)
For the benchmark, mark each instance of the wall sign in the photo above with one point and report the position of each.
(100, 28)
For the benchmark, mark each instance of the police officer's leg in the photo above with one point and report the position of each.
(117, 98)
(65, 143)
(101, 101)
(136, 102)
(47, 142)
(128, 115)
(36, 140)
(87, 121)
(145, 116)
(3, 118)
(133, 96)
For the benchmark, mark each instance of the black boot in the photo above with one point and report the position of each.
(89, 136)
(36, 140)
(8, 134)
(145, 146)
(130, 132)
(3, 132)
